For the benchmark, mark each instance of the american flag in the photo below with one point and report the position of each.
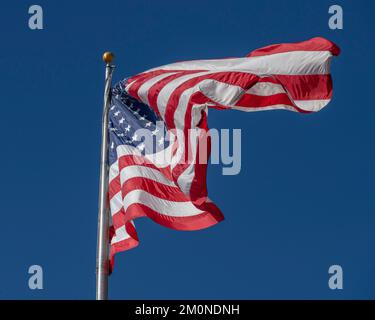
(161, 180)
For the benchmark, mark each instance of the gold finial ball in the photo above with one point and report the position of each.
(108, 57)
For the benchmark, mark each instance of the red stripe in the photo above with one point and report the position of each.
(146, 75)
(197, 222)
(114, 187)
(254, 101)
(269, 79)
(198, 189)
(130, 229)
(141, 78)
(314, 44)
(118, 218)
(260, 102)
(307, 87)
(129, 160)
(304, 87)
(155, 188)
(123, 245)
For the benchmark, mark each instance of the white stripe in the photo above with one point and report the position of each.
(265, 89)
(220, 92)
(120, 235)
(113, 171)
(116, 203)
(180, 149)
(130, 172)
(273, 107)
(165, 207)
(307, 105)
(287, 63)
(143, 90)
(312, 105)
(161, 159)
(186, 177)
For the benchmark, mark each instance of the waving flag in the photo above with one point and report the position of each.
(172, 191)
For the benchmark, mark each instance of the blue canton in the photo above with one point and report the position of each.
(126, 116)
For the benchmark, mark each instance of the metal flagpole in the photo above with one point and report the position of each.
(102, 263)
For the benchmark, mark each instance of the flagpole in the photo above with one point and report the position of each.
(102, 262)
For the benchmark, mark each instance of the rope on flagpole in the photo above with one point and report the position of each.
(102, 262)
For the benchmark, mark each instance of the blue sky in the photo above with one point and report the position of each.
(303, 201)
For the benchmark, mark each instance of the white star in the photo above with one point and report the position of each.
(112, 145)
(155, 131)
(112, 107)
(120, 135)
(117, 113)
(141, 147)
(122, 120)
(127, 129)
(135, 137)
(161, 141)
(148, 124)
(142, 118)
(136, 112)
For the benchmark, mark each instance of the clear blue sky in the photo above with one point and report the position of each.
(305, 198)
